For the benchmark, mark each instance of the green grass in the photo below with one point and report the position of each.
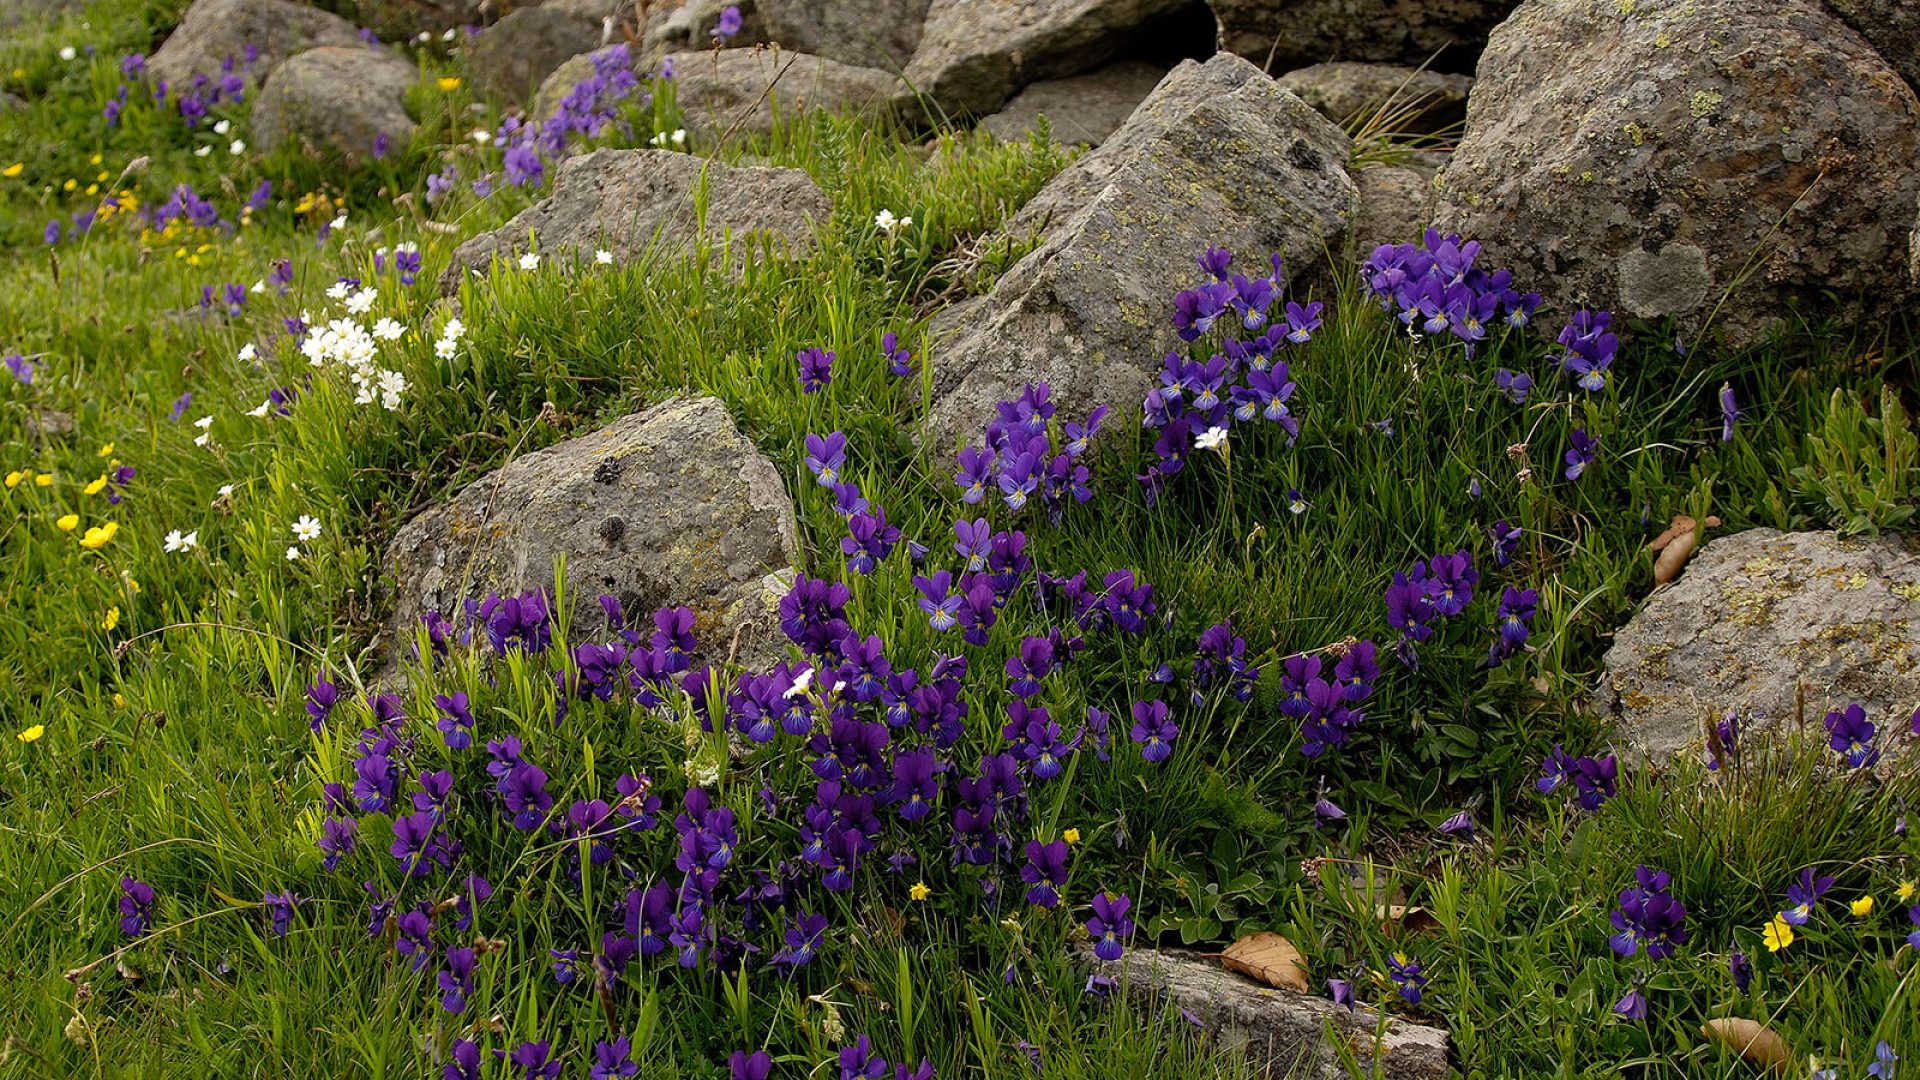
(175, 748)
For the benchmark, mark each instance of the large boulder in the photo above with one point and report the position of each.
(636, 202)
(975, 56)
(1284, 36)
(212, 31)
(671, 506)
(1080, 108)
(1217, 155)
(1280, 1033)
(744, 91)
(1658, 157)
(1755, 613)
(689, 27)
(867, 33)
(1402, 100)
(338, 99)
(1396, 205)
(514, 55)
(1891, 26)
(396, 20)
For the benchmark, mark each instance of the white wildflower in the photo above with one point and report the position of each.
(203, 151)
(178, 541)
(530, 261)
(306, 528)
(260, 412)
(362, 302)
(1211, 439)
(247, 353)
(336, 291)
(603, 257)
(237, 147)
(223, 127)
(293, 554)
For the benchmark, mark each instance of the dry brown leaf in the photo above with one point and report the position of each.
(1268, 957)
(1673, 559)
(1750, 1039)
(1414, 920)
(1681, 525)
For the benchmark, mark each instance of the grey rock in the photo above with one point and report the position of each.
(636, 202)
(1282, 1034)
(213, 30)
(728, 91)
(866, 33)
(1753, 614)
(555, 87)
(11, 102)
(15, 13)
(336, 99)
(689, 28)
(1396, 204)
(396, 20)
(1218, 155)
(1892, 27)
(514, 55)
(974, 56)
(1285, 36)
(1408, 101)
(1652, 162)
(48, 426)
(1082, 108)
(671, 506)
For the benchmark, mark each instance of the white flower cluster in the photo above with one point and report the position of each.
(344, 342)
(449, 342)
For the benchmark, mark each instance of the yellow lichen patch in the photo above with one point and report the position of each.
(1704, 103)
(1635, 134)
(1907, 592)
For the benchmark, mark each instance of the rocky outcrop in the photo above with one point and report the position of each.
(1655, 158)
(1390, 99)
(1892, 27)
(1081, 108)
(1755, 613)
(1217, 155)
(746, 91)
(1282, 37)
(513, 56)
(974, 56)
(212, 31)
(1282, 1034)
(671, 506)
(350, 101)
(866, 33)
(636, 202)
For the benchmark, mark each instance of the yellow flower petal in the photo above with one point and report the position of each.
(1778, 934)
(449, 84)
(32, 734)
(97, 486)
(1861, 907)
(67, 522)
(1904, 892)
(111, 619)
(14, 169)
(919, 891)
(45, 479)
(1071, 836)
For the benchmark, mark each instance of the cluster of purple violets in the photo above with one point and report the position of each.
(1329, 708)
(1851, 735)
(1648, 917)
(589, 110)
(1435, 288)
(405, 260)
(193, 101)
(1420, 597)
(1594, 779)
(1023, 458)
(1243, 382)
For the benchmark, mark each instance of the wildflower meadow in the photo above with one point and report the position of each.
(1305, 634)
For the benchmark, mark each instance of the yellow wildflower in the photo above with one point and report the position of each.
(66, 522)
(119, 701)
(98, 535)
(1861, 907)
(112, 618)
(93, 189)
(95, 160)
(45, 479)
(448, 84)
(1071, 836)
(32, 734)
(919, 891)
(97, 486)
(70, 184)
(1904, 892)
(14, 169)
(105, 451)
(1778, 934)
(14, 478)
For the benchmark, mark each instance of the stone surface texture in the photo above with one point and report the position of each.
(670, 506)
(1753, 614)
(1283, 36)
(735, 92)
(689, 28)
(631, 202)
(1655, 157)
(1891, 26)
(213, 30)
(1217, 155)
(866, 33)
(513, 56)
(1283, 1034)
(974, 56)
(336, 99)
(1082, 108)
(1396, 204)
(1407, 100)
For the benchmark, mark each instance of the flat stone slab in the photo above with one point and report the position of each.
(1753, 614)
(1282, 1033)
